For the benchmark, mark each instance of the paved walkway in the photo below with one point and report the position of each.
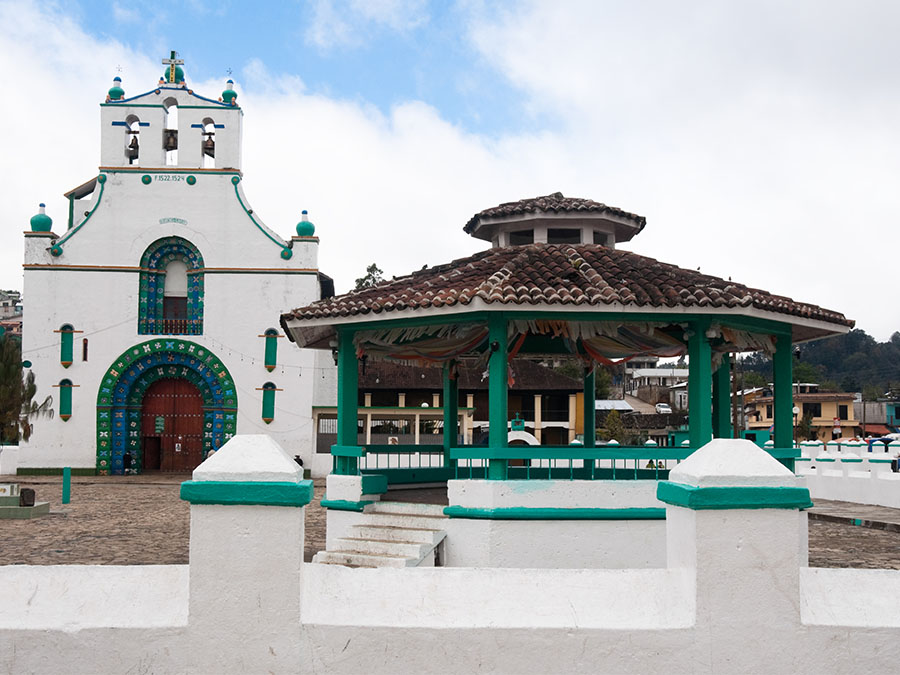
(861, 515)
(140, 520)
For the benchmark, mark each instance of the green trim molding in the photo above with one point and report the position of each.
(52, 471)
(344, 505)
(526, 513)
(286, 252)
(87, 216)
(733, 497)
(236, 493)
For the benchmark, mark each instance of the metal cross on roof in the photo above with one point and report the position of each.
(172, 61)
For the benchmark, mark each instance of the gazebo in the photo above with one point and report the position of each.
(546, 288)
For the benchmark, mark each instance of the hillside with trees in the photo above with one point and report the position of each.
(851, 362)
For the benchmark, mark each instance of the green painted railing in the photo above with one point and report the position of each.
(426, 464)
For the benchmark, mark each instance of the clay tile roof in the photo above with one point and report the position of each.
(554, 203)
(578, 275)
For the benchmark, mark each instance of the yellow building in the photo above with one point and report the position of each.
(831, 413)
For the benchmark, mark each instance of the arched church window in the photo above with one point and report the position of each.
(132, 142)
(170, 299)
(65, 399)
(66, 340)
(170, 133)
(175, 290)
(271, 356)
(268, 402)
(208, 144)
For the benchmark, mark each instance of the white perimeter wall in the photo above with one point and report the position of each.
(854, 482)
(735, 596)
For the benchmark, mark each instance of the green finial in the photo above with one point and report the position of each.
(229, 95)
(304, 227)
(41, 222)
(116, 93)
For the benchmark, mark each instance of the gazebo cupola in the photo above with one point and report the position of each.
(554, 219)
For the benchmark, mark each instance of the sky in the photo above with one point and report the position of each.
(760, 139)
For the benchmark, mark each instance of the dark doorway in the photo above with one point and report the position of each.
(151, 453)
(172, 426)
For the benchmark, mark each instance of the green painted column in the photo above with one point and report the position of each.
(497, 394)
(347, 400)
(721, 399)
(699, 384)
(590, 410)
(451, 413)
(67, 485)
(783, 392)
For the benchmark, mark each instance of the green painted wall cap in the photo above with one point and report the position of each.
(237, 493)
(733, 497)
(305, 229)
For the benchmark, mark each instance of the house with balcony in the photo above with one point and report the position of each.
(831, 414)
(402, 405)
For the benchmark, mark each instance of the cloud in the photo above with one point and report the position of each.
(753, 136)
(350, 23)
(760, 146)
(122, 14)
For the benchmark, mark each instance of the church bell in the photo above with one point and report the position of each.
(133, 149)
(209, 145)
(170, 140)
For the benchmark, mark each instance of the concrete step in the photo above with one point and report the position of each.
(357, 559)
(403, 520)
(391, 548)
(405, 534)
(406, 508)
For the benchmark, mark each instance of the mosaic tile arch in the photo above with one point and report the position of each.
(124, 384)
(158, 255)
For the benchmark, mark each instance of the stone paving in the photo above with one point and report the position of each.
(140, 520)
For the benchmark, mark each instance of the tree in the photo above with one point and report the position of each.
(614, 427)
(754, 380)
(17, 404)
(806, 372)
(373, 276)
(805, 428)
(602, 378)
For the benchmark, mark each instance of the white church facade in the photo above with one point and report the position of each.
(153, 313)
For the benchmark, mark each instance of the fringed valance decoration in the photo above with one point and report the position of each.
(604, 342)
(422, 346)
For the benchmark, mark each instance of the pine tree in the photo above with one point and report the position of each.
(17, 404)
(615, 428)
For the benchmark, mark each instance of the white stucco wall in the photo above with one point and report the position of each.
(560, 544)
(872, 484)
(735, 597)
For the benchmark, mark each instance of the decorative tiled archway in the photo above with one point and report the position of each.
(124, 384)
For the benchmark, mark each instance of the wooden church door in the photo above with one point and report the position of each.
(172, 426)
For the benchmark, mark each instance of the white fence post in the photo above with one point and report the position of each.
(733, 517)
(246, 558)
